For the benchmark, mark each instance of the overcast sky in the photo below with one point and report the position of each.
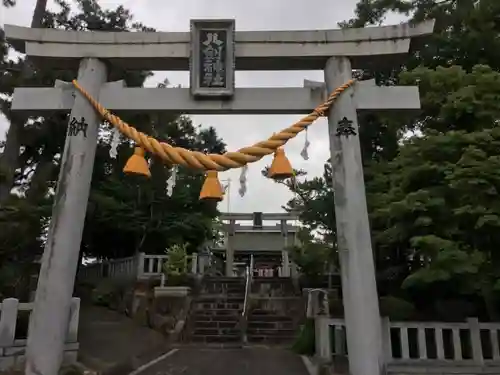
(239, 131)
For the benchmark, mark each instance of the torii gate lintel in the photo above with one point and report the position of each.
(246, 101)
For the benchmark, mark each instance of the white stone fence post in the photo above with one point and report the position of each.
(317, 302)
(12, 348)
(194, 263)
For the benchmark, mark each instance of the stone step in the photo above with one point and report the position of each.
(224, 279)
(219, 313)
(215, 331)
(213, 301)
(271, 332)
(277, 280)
(268, 318)
(237, 286)
(254, 339)
(216, 324)
(236, 293)
(216, 338)
(226, 287)
(264, 312)
(239, 292)
(219, 306)
(270, 324)
(224, 295)
(216, 319)
(229, 299)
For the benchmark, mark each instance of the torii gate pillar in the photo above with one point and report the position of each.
(49, 320)
(359, 287)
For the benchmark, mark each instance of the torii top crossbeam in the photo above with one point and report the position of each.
(248, 50)
(254, 50)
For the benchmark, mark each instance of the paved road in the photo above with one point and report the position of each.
(246, 361)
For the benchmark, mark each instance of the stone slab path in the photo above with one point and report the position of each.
(244, 361)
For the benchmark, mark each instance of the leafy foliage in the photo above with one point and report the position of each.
(444, 211)
(466, 31)
(8, 3)
(434, 223)
(176, 262)
(311, 256)
(128, 214)
(397, 309)
(304, 344)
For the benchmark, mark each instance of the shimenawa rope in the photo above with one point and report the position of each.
(198, 160)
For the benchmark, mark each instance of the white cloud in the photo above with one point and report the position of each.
(239, 131)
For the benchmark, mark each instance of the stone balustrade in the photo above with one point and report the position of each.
(141, 266)
(470, 347)
(13, 339)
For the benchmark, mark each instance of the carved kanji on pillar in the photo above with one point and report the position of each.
(345, 128)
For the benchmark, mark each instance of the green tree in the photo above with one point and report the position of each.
(443, 214)
(466, 31)
(433, 221)
(20, 244)
(126, 214)
(451, 146)
(27, 212)
(8, 3)
(454, 99)
(312, 256)
(9, 159)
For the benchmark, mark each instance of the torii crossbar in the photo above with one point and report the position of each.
(369, 47)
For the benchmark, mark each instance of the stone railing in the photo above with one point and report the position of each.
(13, 340)
(141, 266)
(420, 343)
(123, 268)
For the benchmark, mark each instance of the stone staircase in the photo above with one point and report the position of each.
(276, 312)
(270, 327)
(216, 311)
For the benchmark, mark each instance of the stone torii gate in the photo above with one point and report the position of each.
(337, 52)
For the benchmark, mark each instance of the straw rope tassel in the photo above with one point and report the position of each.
(115, 142)
(305, 151)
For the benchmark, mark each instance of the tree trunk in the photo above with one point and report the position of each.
(38, 184)
(9, 160)
(490, 303)
(38, 13)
